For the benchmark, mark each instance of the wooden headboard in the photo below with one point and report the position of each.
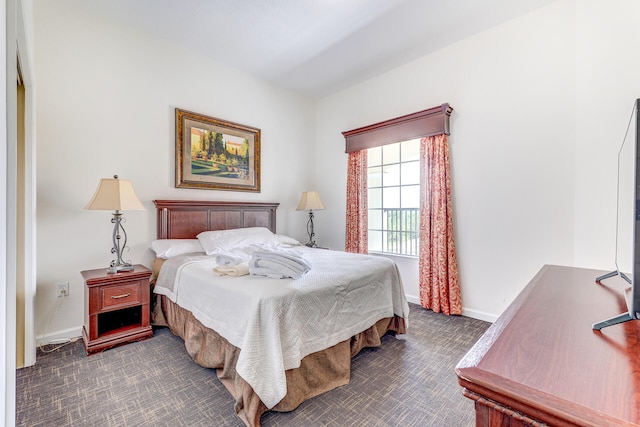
(184, 219)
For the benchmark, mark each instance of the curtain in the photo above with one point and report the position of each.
(438, 267)
(356, 233)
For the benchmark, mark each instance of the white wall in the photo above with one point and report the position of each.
(512, 149)
(607, 60)
(106, 101)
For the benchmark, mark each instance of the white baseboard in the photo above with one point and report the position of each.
(67, 334)
(59, 336)
(474, 314)
(480, 315)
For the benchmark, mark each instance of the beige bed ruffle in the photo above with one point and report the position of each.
(318, 372)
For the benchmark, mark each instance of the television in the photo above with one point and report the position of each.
(627, 254)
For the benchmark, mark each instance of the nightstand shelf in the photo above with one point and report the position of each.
(116, 308)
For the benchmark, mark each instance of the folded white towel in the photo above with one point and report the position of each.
(231, 258)
(281, 264)
(266, 272)
(232, 270)
(282, 255)
(278, 263)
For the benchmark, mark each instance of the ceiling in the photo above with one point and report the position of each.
(314, 47)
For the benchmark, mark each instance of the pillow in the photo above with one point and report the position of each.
(286, 240)
(219, 241)
(167, 248)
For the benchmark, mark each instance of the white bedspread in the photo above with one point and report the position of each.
(277, 322)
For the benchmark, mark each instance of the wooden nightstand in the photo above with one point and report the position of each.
(116, 308)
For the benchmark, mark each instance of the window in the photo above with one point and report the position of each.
(392, 202)
(393, 183)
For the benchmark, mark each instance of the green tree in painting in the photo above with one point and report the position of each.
(219, 144)
(245, 152)
(210, 145)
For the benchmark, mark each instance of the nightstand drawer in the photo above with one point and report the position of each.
(117, 296)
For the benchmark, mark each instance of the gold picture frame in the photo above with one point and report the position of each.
(215, 154)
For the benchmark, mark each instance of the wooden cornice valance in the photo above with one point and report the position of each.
(434, 121)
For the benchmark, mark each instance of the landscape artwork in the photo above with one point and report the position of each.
(216, 154)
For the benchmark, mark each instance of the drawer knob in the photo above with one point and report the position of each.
(119, 296)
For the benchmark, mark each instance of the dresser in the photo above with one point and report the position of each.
(116, 308)
(541, 363)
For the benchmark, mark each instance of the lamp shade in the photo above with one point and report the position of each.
(310, 200)
(115, 194)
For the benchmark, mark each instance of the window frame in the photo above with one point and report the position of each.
(406, 238)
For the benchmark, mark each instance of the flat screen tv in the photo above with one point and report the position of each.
(627, 223)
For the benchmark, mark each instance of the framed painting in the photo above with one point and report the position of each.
(216, 154)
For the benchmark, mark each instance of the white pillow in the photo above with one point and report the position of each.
(287, 241)
(167, 248)
(219, 241)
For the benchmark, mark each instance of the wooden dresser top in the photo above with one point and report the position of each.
(542, 358)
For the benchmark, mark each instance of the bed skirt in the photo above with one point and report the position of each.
(318, 372)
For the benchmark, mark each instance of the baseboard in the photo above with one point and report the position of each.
(67, 334)
(474, 314)
(480, 315)
(59, 336)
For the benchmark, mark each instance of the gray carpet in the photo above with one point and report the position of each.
(408, 381)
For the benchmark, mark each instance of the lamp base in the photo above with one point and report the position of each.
(311, 242)
(114, 269)
(118, 265)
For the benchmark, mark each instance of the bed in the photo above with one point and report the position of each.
(274, 343)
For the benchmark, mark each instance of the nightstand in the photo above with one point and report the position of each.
(116, 308)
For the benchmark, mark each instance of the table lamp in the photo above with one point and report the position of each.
(117, 195)
(310, 201)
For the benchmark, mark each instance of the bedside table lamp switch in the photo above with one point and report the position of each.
(116, 195)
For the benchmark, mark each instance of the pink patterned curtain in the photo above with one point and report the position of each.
(438, 266)
(356, 234)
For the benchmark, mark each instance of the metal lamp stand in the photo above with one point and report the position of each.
(118, 264)
(311, 243)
